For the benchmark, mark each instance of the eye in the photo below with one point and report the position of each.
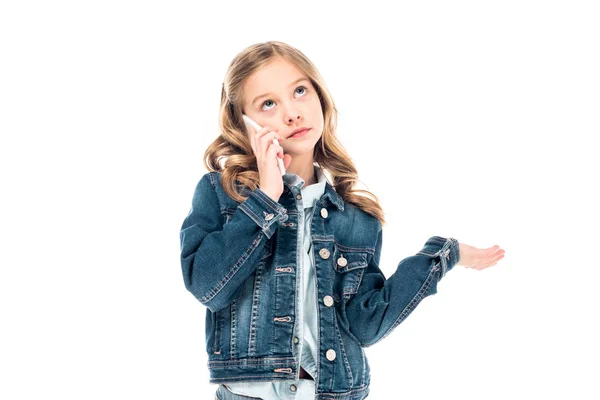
(301, 87)
(271, 101)
(268, 101)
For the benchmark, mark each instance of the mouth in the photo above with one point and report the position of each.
(299, 133)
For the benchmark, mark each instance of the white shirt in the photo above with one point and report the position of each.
(305, 388)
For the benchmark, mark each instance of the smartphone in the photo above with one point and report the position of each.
(257, 127)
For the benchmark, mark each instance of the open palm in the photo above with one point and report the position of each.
(472, 257)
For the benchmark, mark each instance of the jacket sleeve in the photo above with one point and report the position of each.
(216, 258)
(381, 304)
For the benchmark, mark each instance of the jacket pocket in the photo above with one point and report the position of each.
(226, 214)
(212, 331)
(349, 264)
(268, 250)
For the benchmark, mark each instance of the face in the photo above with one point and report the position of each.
(282, 97)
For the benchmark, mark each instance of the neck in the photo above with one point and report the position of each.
(304, 169)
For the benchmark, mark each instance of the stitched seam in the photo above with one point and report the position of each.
(364, 358)
(233, 328)
(221, 284)
(258, 220)
(213, 180)
(314, 263)
(445, 244)
(217, 341)
(360, 274)
(254, 361)
(410, 306)
(252, 340)
(354, 249)
(346, 363)
(267, 200)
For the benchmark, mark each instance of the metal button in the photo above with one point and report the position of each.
(298, 196)
(328, 300)
(293, 388)
(324, 213)
(269, 217)
(330, 354)
(296, 340)
(342, 262)
(324, 253)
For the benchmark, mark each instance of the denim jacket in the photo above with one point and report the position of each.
(239, 260)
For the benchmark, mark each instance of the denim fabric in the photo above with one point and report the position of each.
(306, 323)
(239, 259)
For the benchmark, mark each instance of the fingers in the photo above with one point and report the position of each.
(266, 145)
(489, 258)
(274, 151)
(498, 256)
(260, 140)
(263, 146)
(493, 249)
(474, 258)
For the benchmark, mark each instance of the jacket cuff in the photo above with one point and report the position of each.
(446, 250)
(263, 210)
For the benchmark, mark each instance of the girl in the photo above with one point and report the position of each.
(288, 266)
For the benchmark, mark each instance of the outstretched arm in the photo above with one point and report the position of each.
(381, 304)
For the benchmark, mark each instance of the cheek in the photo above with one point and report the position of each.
(315, 108)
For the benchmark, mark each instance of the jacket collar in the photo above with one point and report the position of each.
(333, 196)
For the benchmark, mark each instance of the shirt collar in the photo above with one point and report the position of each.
(314, 192)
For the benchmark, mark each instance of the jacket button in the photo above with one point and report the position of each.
(298, 196)
(296, 340)
(324, 253)
(269, 217)
(330, 354)
(324, 213)
(293, 388)
(328, 300)
(342, 262)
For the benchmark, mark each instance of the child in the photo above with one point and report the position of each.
(288, 266)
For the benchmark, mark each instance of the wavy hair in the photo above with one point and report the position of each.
(231, 153)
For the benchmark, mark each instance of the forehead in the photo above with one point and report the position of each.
(273, 76)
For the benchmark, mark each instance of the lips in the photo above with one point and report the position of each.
(299, 132)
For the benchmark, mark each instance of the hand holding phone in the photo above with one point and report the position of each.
(257, 127)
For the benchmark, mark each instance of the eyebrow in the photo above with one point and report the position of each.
(291, 84)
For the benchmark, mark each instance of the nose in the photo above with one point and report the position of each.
(291, 114)
(291, 117)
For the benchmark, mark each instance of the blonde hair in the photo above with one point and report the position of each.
(233, 146)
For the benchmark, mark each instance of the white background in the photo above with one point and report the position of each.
(467, 119)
